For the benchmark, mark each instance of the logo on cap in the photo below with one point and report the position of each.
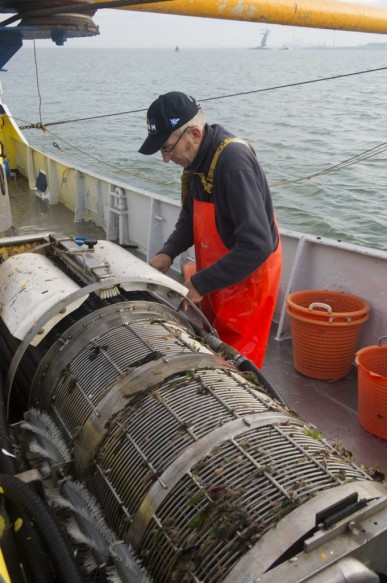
(174, 121)
(152, 128)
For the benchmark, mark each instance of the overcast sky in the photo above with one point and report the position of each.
(122, 28)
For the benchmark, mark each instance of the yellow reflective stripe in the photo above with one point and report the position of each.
(184, 184)
(207, 181)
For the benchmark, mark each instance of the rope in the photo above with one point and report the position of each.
(38, 86)
(112, 166)
(319, 80)
(296, 84)
(55, 123)
(350, 161)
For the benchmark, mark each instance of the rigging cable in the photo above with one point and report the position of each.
(350, 161)
(37, 84)
(112, 166)
(33, 126)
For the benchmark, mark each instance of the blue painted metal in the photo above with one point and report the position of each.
(11, 41)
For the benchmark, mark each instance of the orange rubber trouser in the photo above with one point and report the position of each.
(241, 313)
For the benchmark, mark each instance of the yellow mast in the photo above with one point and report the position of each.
(333, 14)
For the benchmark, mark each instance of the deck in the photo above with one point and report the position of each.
(330, 406)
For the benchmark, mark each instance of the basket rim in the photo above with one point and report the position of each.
(291, 303)
(322, 322)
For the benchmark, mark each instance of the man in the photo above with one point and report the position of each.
(227, 214)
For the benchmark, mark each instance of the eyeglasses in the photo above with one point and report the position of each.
(169, 149)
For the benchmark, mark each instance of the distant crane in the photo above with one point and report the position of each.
(264, 35)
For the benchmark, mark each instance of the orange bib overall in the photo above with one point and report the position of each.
(241, 313)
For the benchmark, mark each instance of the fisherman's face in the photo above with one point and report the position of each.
(180, 148)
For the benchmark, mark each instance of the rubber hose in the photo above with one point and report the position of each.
(26, 537)
(7, 463)
(31, 548)
(27, 501)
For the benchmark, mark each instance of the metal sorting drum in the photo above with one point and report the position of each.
(372, 388)
(194, 466)
(325, 327)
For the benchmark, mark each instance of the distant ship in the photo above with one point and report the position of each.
(263, 46)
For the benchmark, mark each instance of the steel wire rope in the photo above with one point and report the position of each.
(344, 164)
(117, 169)
(37, 84)
(113, 166)
(252, 91)
(350, 161)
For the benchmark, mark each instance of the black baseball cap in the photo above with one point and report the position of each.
(166, 114)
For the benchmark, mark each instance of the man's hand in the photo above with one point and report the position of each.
(161, 262)
(193, 293)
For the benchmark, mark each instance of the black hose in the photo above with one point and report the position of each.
(34, 557)
(26, 537)
(28, 502)
(7, 463)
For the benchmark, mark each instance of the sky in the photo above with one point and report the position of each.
(122, 28)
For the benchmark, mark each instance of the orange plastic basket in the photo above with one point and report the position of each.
(372, 389)
(325, 327)
(189, 269)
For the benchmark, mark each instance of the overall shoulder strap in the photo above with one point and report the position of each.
(208, 181)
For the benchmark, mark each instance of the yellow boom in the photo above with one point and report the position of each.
(331, 14)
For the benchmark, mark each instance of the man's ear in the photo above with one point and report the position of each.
(196, 134)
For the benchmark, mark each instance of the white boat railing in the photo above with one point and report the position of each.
(139, 218)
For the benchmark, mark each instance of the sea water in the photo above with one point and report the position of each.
(297, 131)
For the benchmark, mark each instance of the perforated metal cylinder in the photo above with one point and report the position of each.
(97, 352)
(197, 470)
(192, 463)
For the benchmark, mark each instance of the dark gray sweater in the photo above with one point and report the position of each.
(243, 210)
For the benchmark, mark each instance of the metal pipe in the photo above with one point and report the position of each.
(330, 14)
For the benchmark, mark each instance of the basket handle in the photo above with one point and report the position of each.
(320, 305)
(329, 309)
